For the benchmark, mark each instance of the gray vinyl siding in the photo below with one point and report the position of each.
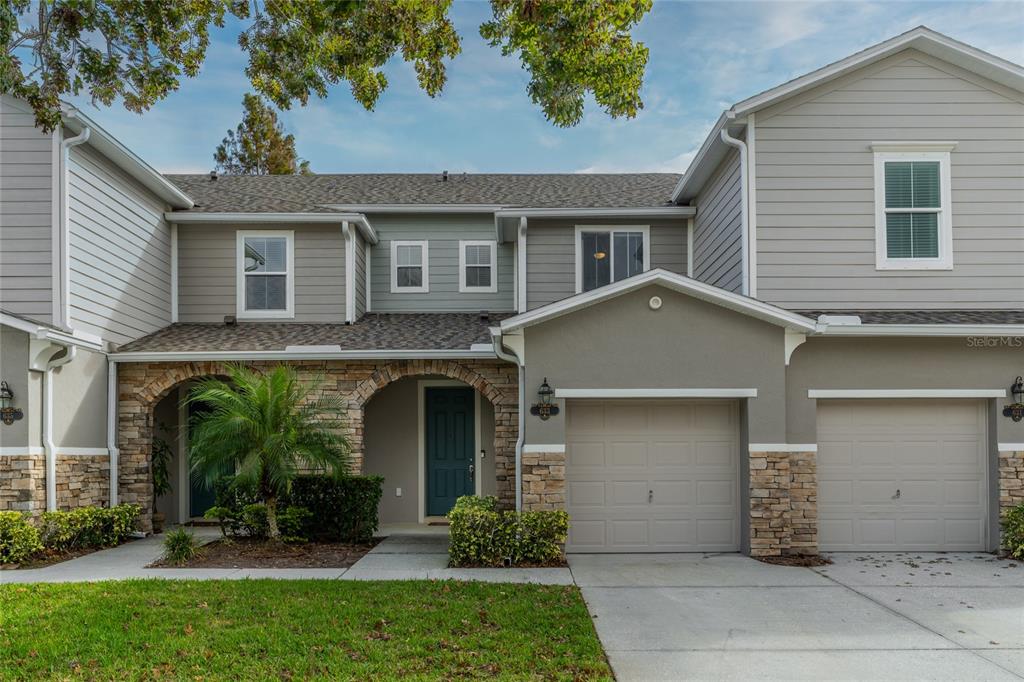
(718, 228)
(26, 218)
(815, 189)
(120, 251)
(207, 262)
(443, 232)
(360, 275)
(551, 255)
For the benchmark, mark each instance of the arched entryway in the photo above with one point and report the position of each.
(143, 385)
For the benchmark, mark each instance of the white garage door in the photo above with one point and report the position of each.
(901, 475)
(652, 475)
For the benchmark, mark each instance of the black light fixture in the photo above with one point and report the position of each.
(1015, 410)
(8, 412)
(545, 408)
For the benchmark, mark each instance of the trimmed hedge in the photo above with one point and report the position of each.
(1013, 531)
(326, 508)
(88, 527)
(19, 539)
(480, 535)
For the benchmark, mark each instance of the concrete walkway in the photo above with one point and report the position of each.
(866, 617)
(407, 553)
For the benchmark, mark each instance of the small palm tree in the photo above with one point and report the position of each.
(264, 428)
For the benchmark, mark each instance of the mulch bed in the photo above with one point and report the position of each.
(249, 553)
(49, 557)
(796, 560)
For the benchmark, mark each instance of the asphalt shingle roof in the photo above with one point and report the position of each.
(309, 193)
(925, 316)
(391, 331)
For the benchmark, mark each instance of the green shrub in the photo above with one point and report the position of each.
(225, 517)
(19, 539)
(479, 535)
(251, 520)
(180, 547)
(342, 509)
(88, 527)
(1013, 531)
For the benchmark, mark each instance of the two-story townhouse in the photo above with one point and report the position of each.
(808, 341)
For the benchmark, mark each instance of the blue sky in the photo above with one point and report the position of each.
(704, 56)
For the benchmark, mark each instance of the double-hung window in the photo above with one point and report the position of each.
(409, 267)
(913, 216)
(606, 254)
(478, 271)
(266, 274)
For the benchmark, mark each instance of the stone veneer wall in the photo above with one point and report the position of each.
(543, 480)
(142, 385)
(83, 481)
(1011, 480)
(783, 503)
(23, 483)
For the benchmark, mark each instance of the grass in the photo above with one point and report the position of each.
(267, 629)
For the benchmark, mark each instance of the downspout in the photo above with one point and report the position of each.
(744, 211)
(500, 351)
(112, 428)
(521, 266)
(48, 445)
(348, 230)
(65, 221)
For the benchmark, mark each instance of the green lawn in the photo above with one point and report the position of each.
(263, 629)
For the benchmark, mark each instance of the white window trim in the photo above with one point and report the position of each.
(425, 246)
(580, 229)
(923, 151)
(240, 309)
(463, 287)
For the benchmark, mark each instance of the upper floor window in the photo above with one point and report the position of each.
(409, 267)
(913, 217)
(606, 254)
(478, 268)
(265, 285)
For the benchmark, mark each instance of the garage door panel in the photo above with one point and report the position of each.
(933, 452)
(621, 452)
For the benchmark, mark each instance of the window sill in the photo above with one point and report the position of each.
(912, 265)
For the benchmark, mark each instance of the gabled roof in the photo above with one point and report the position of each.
(670, 280)
(921, 38)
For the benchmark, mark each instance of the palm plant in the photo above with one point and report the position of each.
(264, 427)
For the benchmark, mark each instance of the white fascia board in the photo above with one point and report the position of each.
(414, 208)
(305, 354)
(125, 159)
(647, 212)
(670, 280)
(1011, 447)
(852, 393)
(183, 217)
(655, 392)
(920, 38)
(947, 330)
(44, 333)
(687, 186)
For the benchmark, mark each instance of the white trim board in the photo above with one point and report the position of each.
(551, 448)
(492, 247)
(305, 354)
(424, 266)
(577, 247)
(82, 452)
(241, 312)
(18, 451)
(782, 447)
(1011, 447)
(907, 393)
(655, 392)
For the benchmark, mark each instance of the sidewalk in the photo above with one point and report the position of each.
(405, 554)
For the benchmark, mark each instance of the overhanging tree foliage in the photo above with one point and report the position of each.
(138, 50)
(259, 145)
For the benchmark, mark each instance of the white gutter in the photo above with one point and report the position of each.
(48, 445)
(45, 333)
(314, 354)
(359, 219)
(112, 428)
(499, 351)
(415, 208)
(174, 273)
(65, 222)
(648, 212)
(947, 330)
(744, 210)
(521, 266)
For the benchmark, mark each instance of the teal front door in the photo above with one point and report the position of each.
(450, 447)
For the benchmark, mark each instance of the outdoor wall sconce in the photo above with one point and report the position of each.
(8, 413)
(1015, 410)
(545, 408)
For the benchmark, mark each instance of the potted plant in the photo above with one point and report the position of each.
(161, 478)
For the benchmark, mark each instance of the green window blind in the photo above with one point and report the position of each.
(912, 185)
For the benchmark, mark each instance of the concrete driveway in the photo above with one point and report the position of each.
(867, 616)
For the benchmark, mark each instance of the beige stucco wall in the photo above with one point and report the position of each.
(902, 363)
(80, 402)
(14, 370)
(622, 343)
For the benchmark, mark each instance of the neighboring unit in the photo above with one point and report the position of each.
(806, 342)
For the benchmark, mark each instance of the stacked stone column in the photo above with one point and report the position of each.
(783, 503)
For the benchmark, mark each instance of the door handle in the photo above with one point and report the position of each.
(650, 496)
(472, 469)
(897, 495)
